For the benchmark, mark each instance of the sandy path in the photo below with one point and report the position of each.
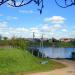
(69, 70)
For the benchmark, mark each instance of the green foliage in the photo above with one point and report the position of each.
(19, 42)
(14, 42)
(4, 42)
(47, 43)
(65, 44)
(37, 43)
(24, 44)
(5, 38)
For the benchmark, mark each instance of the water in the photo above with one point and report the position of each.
(57, 52)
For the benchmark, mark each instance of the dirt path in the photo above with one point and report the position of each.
(69, 70)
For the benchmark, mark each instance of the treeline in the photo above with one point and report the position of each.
(15, 42)
(66, 44)
(26, 43)
(39, 43)
(50, 43)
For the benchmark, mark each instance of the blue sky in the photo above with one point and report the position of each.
(53, 22)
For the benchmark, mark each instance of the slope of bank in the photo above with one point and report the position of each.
(14, 61)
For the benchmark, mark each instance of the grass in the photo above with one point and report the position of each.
(14, 61)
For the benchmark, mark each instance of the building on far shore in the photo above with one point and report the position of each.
(67, 39)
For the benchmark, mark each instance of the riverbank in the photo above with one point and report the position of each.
(69, 70)
(14, 61)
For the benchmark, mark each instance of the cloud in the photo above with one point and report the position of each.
(45, 28)
(55, 19)
(12, 18)
(56, 26)
(26, 11)
(3, 28)
(73, 27)
(18, 32)
(6, 30)
(21, 30)
(64, 30)
(55, 30)
(38, 35)
(50, 28)
(3, 24)
(34, 29)
(73, 32)
(28, 32)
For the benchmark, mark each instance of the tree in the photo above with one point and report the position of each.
(5, 38)
(65, 3)
(40, 3)
(0, 37)
(20, 3)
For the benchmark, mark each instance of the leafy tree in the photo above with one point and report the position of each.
(65, 3)
(23, 3)
(40, 3)
(5, 38)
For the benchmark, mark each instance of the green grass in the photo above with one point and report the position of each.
(14, 61)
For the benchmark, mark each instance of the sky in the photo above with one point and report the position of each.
(22, 21)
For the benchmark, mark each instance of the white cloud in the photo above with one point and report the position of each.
(45, 28)
(73, 32)
(55, 19)
(54, 27)
(12, 17)
(3, 24)
(21, 30)
(49, 28)
(36, 30)
(73, 27)
(18, 32)
(55, 30)
(64, 30)
(37, 35)
(26, 11)
(57, 26)
(28, 32)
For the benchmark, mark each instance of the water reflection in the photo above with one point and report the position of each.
(57, 52)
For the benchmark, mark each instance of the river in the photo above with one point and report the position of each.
(57, 52)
